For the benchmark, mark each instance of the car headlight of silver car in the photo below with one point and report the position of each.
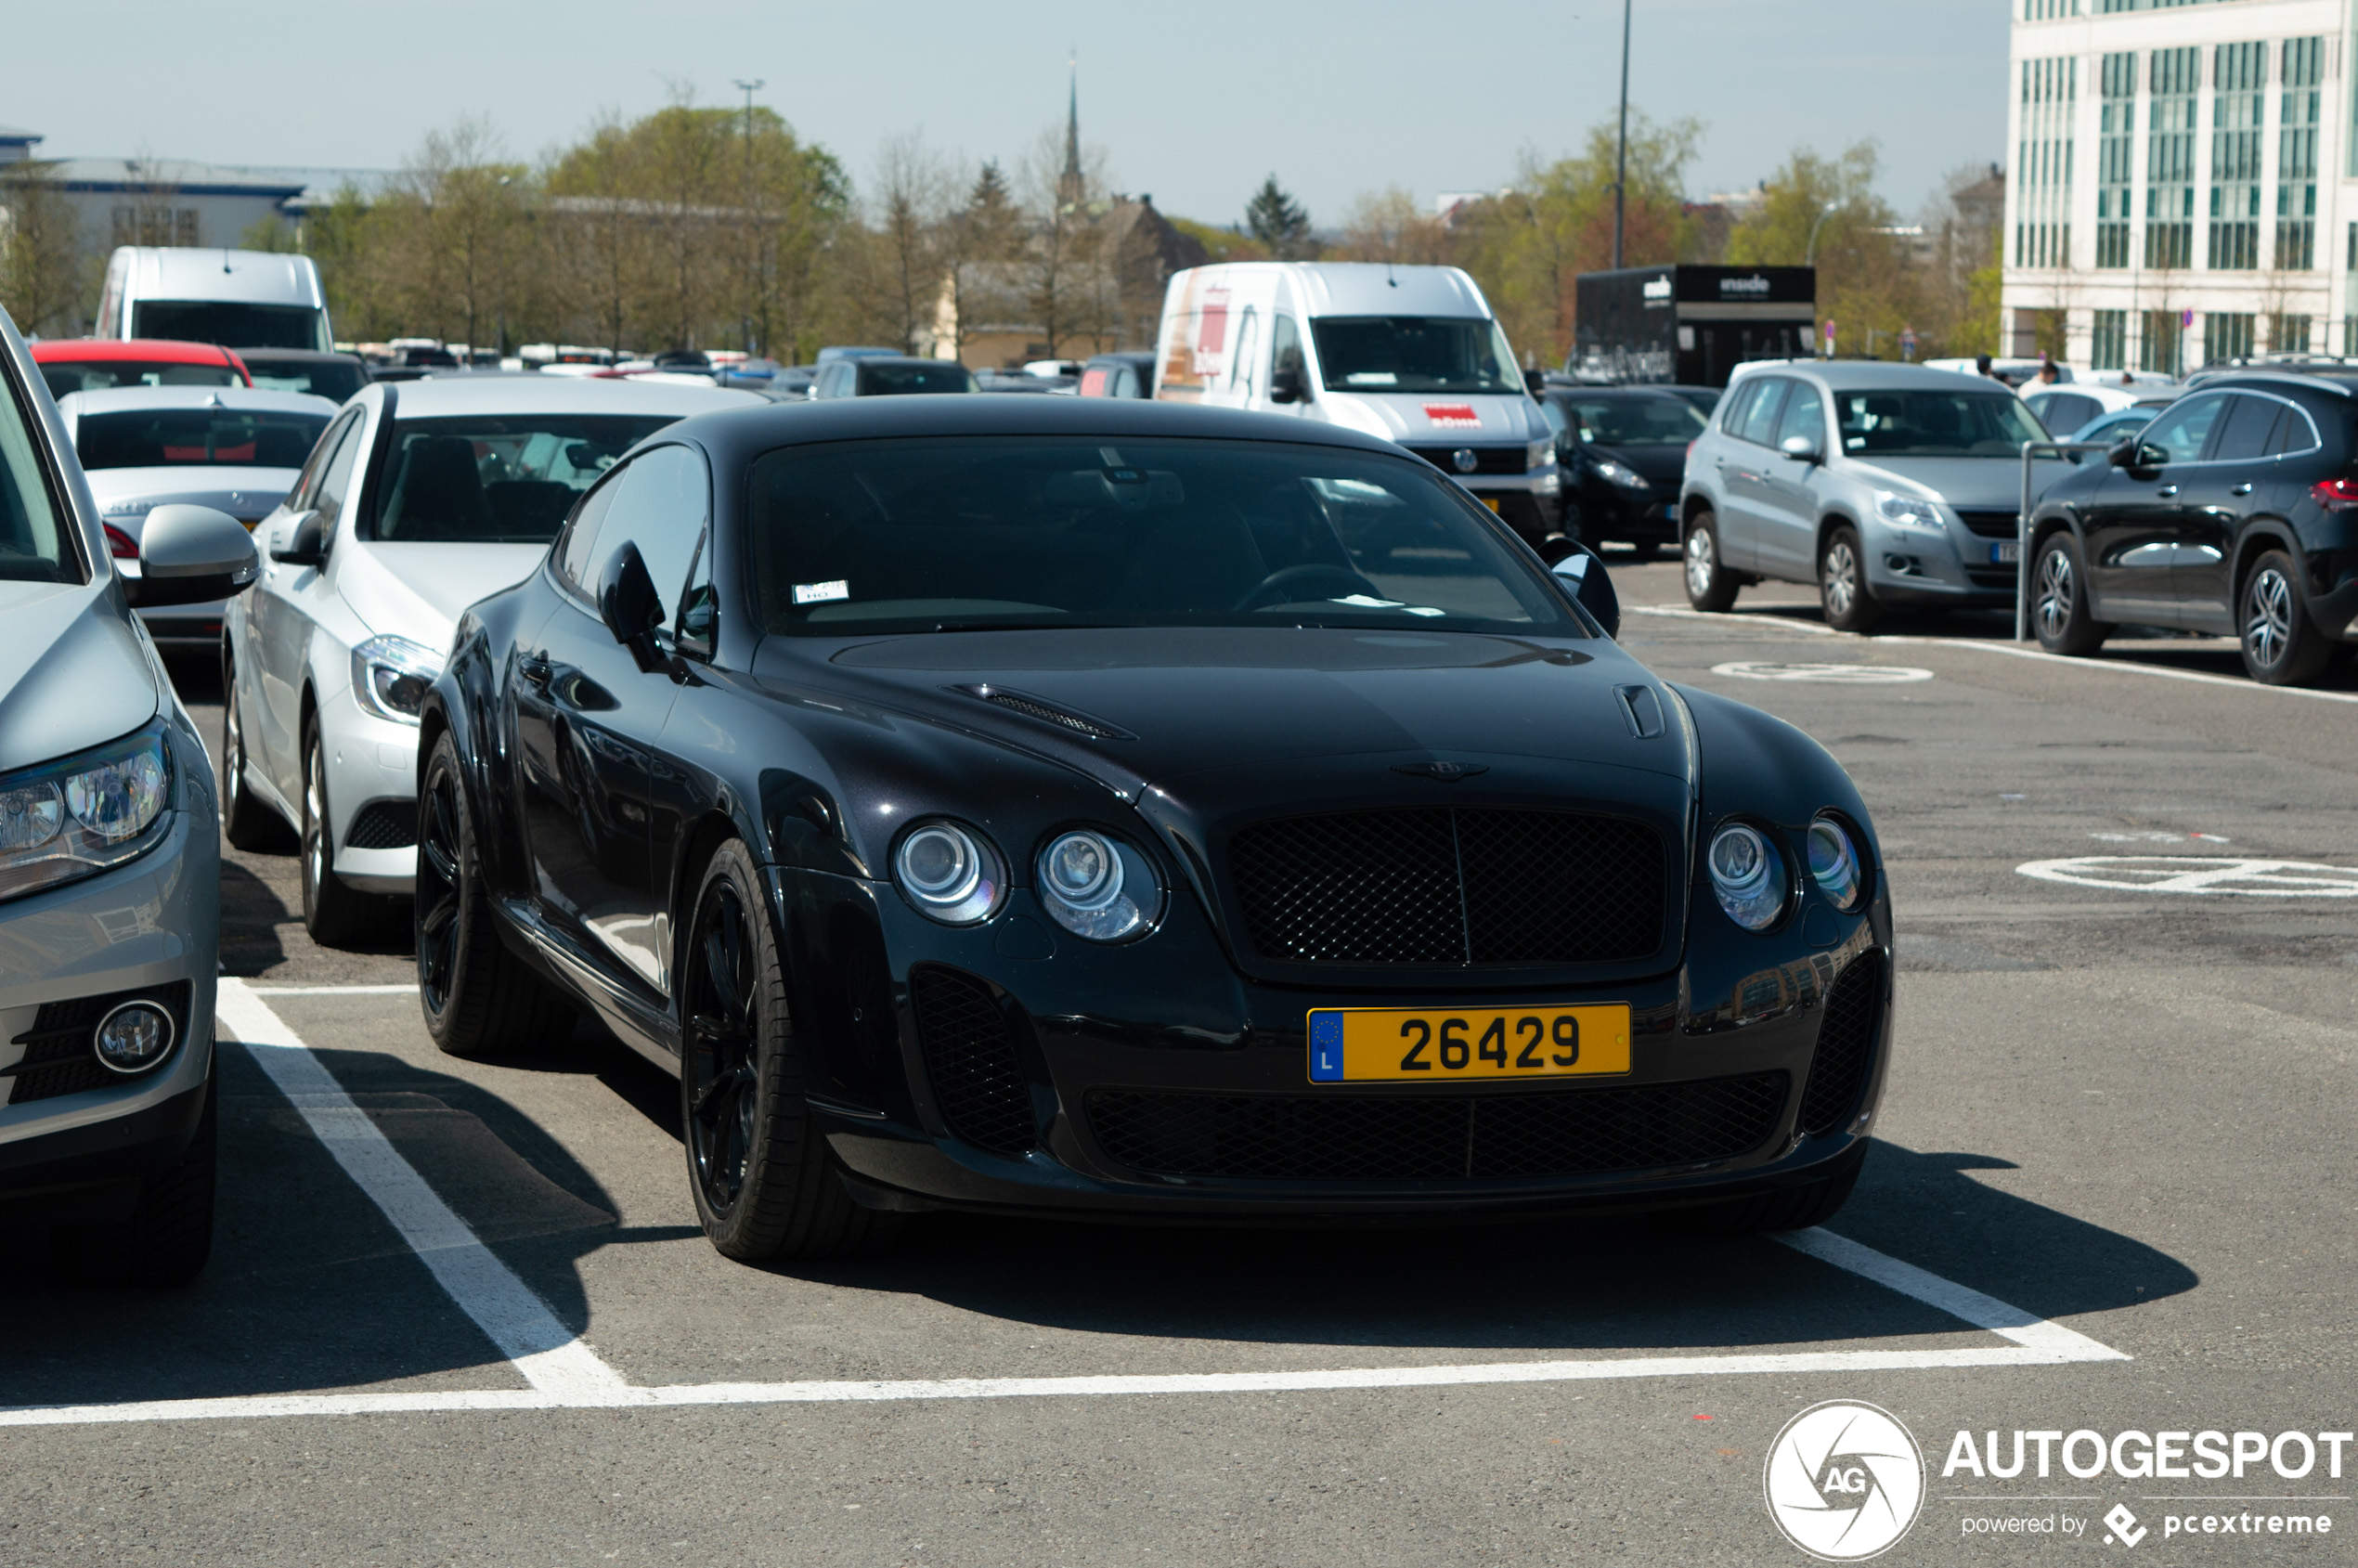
(1098, 886)
(85, 813)
(1748, 875)
(391, 675)
(1618, 473)
(1833, 865)
(950, 873)
(1907, 512)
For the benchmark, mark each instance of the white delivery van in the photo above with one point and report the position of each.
(238, 299)
(1411, 354)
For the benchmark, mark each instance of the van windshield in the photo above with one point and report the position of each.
(1414, 353)
(233, 323)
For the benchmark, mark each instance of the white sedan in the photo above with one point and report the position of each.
(420, 498)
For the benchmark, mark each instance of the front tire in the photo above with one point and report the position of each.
(2281, 647)
(245, 821)
(1711, 588)
(764, 1183)
(478, 998)
(336, 915)
(1842, 584)
(2059, 612)
(168, 1238)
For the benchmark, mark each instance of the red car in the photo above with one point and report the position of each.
(97, 364)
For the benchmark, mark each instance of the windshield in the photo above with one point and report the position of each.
(232, 322)
(334, 379)
(1414, 353)
(172, 437)
(886, 380)
(33, 548)
(956, 534)
(65, 379)
(1934, 425)
(498, 480)
(1632, 421)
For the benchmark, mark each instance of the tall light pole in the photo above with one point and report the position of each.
(1621, 155)
(1809, 256)
(753, 231)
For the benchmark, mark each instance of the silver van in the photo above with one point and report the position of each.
(1884, 484)
(240, 299)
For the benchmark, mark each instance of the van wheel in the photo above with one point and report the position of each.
(336, 915)
(477, 996)
(1711, 588)
(1842, 584)
(2059, 612)
(245, 821)
(2280, 645)
(168, 1238)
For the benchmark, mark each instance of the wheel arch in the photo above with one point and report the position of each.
(2256, 539)
(2044, 525)
(1827, 523)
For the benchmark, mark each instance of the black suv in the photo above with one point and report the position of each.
(2235, 511)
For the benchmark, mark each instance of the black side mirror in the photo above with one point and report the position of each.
(630, 607)
(1534, 380)
(2123, 453)
(1288, 385)
(1584, 573)
(307, 546)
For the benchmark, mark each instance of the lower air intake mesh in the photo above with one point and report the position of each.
(1846, 1029)
(970, 1053)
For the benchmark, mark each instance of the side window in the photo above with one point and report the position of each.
(2293, 433)
(2244, 433)
(306, 484)
(335, 482)
(577, 561)
(699, 617)
(1285, 346)
(1805, 415)
(1736, 403)
(1759, 417)
(2182, 429)
(661, 508)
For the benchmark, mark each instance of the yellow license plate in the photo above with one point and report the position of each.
(1490, 501)
(1362, 1045)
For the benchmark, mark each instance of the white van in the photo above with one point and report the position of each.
(238, 299)
(1411, 354)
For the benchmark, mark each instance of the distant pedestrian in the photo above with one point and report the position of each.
(1981, 368)
(2047, 374)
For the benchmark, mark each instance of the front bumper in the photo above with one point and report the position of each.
(1094, 1027)
(1616, 512)
(372, 793)
(1955, 569)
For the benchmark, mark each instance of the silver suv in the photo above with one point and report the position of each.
(110, 865)
(1883, 484)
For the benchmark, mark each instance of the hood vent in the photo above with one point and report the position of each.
(1045, 712)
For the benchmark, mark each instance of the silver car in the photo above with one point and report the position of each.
(420, 498)
(1884, 485)
(110, 865)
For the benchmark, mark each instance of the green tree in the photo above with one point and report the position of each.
(1824, 212)
(1277, 221)
(40, 253)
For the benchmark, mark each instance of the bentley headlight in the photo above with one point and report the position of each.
(1098, 886)
(391, 675)
(85, 813)
(1833, 865)
(1748, 877)
(1909, 512)
(950, 873)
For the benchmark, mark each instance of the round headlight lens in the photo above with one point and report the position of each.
(950, 873)
(134, 1037)
(1747, 875)
(1096, 886)
(118, 799)
(1833, 865)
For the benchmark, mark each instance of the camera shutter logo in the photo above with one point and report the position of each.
(1844, 1481)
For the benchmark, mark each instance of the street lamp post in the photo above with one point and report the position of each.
(1809, 256)
(1621, 153)
(753, 231)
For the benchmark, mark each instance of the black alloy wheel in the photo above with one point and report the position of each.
(478, 998)
(1842, 583)
(245, 821)
(1710, 587)
(764, 1182)
(2281, 647)
(2059, 612)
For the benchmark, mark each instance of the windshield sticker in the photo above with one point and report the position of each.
(821, 593)
(1373, 378)
(1363, 601)
(1453, 414)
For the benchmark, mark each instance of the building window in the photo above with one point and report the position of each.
(148, 225)
(2108, 340)
(2226, 335)
(2239, 76)
(2049, 10)
(2296, 154)
(2115, 146)
(2043, 207)
(2350, 335)
(2160, 348)
(2288, 335)
(2173, 78)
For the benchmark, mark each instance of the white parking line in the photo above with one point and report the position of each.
(566, 1374)
(409, 989)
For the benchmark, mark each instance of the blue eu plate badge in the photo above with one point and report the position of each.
(1326, 1047)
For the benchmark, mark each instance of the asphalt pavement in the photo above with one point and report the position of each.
(461, 1311)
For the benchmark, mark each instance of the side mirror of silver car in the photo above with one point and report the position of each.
(1801, 448)
(191, 555)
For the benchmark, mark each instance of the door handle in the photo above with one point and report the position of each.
(2240, 490)
(536, 669)
(2167, 491)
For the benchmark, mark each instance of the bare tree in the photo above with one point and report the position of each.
(1389, 227)
(1065, 205)
(40, 250)
(910, 213)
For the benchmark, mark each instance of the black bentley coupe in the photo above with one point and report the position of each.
(1106, 809)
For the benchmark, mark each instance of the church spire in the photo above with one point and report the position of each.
(1070, 187)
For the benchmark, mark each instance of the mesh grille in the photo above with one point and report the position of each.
(1846, 1034)
(1048, 713)
(58, 1058)
(384, 824)
(970, 1052)
(1487, 459)
(1989, 525)
(1441, 884)
(1303, 1138)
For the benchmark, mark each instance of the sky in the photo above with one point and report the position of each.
(1193, 106)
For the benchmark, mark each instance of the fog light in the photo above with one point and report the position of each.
(134, 1037)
